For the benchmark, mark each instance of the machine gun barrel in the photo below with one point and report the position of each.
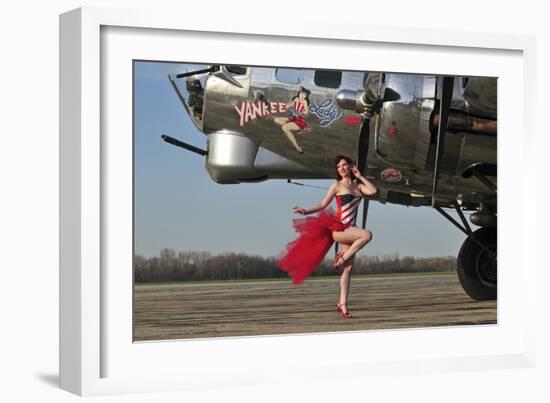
(181, 144)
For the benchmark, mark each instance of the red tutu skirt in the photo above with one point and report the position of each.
(303, 255)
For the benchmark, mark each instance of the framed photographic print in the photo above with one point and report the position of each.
(266, 128)
(187, 149)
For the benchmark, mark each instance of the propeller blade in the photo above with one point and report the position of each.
(445, 105)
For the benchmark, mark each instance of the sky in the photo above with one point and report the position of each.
(177, 205)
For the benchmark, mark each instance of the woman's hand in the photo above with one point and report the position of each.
(299, 210)
(355, 171)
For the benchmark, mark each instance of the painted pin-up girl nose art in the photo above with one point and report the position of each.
(295, 123)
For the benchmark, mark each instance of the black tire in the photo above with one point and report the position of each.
(477, 267)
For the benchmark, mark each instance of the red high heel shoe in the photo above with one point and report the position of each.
(345, 315)
(338, 260)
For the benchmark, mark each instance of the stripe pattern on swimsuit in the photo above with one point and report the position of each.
(347, 208)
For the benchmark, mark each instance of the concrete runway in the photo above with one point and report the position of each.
(266, 307)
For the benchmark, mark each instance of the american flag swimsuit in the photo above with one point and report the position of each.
(303, 255)
(347, 209)
(296, 118)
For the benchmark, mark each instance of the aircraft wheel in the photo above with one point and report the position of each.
(477, 269)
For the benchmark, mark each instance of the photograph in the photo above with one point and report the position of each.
(273, 200)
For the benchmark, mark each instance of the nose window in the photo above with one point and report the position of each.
(195, 91)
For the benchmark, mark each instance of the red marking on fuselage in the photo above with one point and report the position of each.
(352, 120)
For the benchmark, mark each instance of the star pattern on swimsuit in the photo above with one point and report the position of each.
(347, 198)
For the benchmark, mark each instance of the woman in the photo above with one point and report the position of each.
(318, 233)
(298, 108)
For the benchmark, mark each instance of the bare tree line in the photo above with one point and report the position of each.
(203, 266)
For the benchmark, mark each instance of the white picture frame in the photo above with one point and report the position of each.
(96, 355)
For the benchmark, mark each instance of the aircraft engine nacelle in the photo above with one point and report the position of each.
(406, 126)
(234, 158)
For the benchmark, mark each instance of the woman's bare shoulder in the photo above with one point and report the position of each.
(335, 188)
(338, 188)
(342, 189)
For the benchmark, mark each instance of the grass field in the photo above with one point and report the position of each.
(265, 307)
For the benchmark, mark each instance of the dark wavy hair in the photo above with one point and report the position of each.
(348, 160)
(305, 91)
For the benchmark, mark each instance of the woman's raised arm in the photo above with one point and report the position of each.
(366, 187)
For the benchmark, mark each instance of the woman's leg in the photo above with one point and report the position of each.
(289, 129)
(356, 237)
(281, 121)
(345, 280)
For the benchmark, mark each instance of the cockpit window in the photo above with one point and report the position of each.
(328, 78)
(237, 70)
(195, 91)
(289, 76)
